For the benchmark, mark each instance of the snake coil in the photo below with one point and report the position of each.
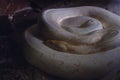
(81, 42)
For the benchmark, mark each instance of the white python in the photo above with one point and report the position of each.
(81, 30)
(94, 29)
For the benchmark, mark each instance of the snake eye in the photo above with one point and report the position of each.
(110, 34)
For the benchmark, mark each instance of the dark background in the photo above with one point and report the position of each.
(15, 17)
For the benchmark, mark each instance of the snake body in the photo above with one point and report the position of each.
(88, 30)
(59, 46)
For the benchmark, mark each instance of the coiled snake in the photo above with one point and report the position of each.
(58, 45)
(93, 29)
